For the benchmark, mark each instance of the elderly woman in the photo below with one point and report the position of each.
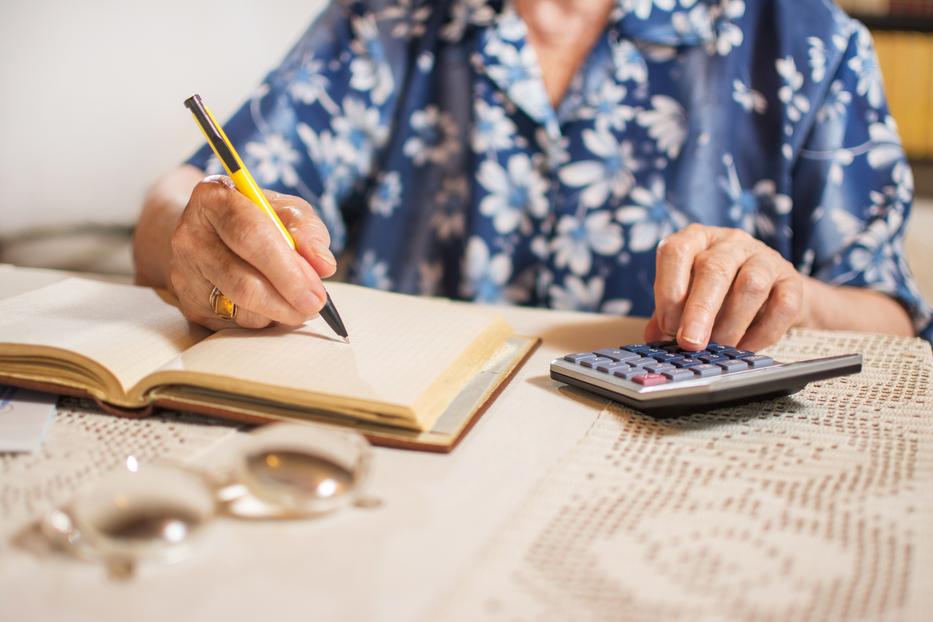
(727, 168)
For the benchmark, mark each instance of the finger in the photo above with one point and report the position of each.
(674, 262)
(748, 295)
(245, 286)
(653, 331)
(199, 296)
(777, 316)
(312, 240)
(194, 294)
(252, 236)
(713, 272)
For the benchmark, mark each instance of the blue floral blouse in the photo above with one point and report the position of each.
(423, 134)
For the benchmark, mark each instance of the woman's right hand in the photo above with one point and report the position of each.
(223, 240)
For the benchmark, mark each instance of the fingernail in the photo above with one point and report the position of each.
(319, 230)
(327, 256)
(311, 303)
(693, 333)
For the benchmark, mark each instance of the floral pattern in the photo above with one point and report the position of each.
(423, 133)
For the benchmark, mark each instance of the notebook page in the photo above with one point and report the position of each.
(129, 330)
(400, 345)
(18, 280)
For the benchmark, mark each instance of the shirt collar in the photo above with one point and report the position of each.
(662, 22)
(667, 22)
(504, 56)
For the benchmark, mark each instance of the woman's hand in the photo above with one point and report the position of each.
(224, 240)
(723, 285)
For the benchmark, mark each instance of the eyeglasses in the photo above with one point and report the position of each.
(157, 512)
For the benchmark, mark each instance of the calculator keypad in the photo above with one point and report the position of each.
(663, 362)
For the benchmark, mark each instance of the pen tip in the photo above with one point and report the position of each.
(346, 340)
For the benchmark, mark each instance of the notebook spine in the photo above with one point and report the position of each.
(70, 391)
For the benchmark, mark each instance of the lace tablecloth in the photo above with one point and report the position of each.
(812, 507)
(83, 444)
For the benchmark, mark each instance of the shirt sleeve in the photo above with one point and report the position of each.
(315, 125)
(853, 187)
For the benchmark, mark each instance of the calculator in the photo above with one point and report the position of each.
(664, 380)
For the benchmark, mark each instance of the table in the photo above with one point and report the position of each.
(555, 506)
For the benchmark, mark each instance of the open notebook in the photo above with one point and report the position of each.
(417, 373)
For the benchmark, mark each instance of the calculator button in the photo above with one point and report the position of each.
(658, 368)
(664, 356)
(594, 362)
(616, 354)
(686, 363)
(712, 358)
(653, 351)
(678, 374)
(705, 370)
(649, 380)
(661, 344)
(712, 346)
(611, 367)
(639, 362)
(734, 353)
(636, 347)
(579, 357)
(629, 373)
(733, 365)
(758, 360)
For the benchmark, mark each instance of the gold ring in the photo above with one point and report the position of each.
(223, 307)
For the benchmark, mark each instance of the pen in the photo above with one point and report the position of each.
(245, 183)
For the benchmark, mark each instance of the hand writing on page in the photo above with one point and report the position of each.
(223, 241)
(723, 285)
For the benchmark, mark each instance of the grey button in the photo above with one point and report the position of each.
(618, 355)
(758, 360)
(611, 367)
(629, 373)
(733, 365)
(705, 370)
(679, 374)
(579, 356)
(659, 368)
(594, 362)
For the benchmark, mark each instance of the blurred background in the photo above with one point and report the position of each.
(91, 111)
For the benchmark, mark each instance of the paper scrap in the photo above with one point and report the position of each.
(25, 418)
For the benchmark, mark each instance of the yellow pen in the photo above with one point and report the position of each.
(244, 182)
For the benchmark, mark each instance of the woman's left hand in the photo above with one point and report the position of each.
(723, 285)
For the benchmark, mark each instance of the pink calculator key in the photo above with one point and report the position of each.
(649, 380)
